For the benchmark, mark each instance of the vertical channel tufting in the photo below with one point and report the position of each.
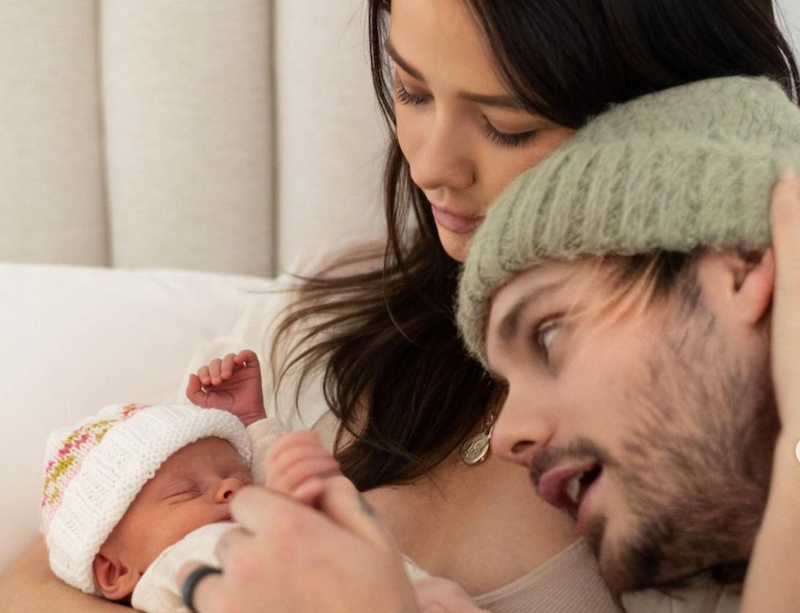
(187, 117)
(51, 187)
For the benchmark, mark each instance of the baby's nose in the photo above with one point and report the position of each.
(227, 488)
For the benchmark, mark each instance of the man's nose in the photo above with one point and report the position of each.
(227, 488)
(522, 429)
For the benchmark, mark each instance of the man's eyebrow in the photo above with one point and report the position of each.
(509, 325)
(500, 101)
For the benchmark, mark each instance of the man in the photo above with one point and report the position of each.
(621, 292)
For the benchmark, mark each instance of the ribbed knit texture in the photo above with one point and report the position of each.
(95, 469)
(688, 167)
(569, 582)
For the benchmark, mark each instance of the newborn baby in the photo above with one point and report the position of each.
(134, 492)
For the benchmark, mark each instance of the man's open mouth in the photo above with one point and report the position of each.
(567, 486)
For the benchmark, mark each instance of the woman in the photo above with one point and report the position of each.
(481, 91)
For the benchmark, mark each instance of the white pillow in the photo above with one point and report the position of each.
(77, 338)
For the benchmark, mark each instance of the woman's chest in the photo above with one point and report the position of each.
(481, 526)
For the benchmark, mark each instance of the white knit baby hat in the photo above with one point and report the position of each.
(95, 469)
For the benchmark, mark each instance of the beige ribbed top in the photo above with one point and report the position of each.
(569, 582)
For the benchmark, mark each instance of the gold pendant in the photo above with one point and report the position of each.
(475, 449)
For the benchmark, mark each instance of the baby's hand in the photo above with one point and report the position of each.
(299, 466)
(232, 384)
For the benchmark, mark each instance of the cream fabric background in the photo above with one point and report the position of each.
(220, 135)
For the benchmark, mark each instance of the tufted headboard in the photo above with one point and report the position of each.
(220, 135)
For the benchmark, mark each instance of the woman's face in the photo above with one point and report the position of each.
(464, 134)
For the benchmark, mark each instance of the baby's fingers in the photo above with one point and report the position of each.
(288, 478)
(227, 366)
(246, 357)
(214, 370)
(204, 375)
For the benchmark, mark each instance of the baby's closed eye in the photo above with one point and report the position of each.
(178, 492)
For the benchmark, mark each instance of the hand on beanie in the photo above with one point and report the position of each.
(232, 384)
(299, 466)
(785, 221)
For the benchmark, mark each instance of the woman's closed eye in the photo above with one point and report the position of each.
(405, 97)
(504, 139)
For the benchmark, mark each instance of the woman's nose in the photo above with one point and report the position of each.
(442, 159)
(227, 488)
(521, 430)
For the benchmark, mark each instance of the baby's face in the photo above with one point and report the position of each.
(192, 488)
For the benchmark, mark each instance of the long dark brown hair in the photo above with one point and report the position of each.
(394, 370)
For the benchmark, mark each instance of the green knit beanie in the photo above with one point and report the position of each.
(688, 167)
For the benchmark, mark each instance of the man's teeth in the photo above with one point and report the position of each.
(574, 488)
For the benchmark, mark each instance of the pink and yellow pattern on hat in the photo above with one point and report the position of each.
(67, 456)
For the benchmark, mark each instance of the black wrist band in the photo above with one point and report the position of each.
(190, 584)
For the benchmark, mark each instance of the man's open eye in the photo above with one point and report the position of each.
(545, 336)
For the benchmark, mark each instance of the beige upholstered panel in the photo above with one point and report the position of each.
(330, 142)
(51, 179)
(187, 113)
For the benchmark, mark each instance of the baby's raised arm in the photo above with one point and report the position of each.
(231, 384)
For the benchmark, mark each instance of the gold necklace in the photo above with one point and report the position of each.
(476, 448)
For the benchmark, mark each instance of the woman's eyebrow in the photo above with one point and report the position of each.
(499, 101)
(401, 62)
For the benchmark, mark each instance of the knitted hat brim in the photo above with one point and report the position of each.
(656, 174)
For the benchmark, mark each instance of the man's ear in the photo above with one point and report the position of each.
(754, 284)
(114, 578)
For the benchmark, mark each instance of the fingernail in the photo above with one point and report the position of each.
(788, 174)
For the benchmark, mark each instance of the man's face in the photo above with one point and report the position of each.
(652, 423)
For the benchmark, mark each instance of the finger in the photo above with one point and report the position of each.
(310, 492)
(247, 357)
(214, 371)
(785, 226)
(208, 593)
(226, 367)
(291, 441)
(303, 471)
(193, 386)
(194, 391)
(231, 542)
(343, 503)
(257, 508)
(295, 454)
(204, 376)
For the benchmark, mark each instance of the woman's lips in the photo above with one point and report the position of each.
(459, 224)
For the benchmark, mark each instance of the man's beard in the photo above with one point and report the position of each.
(695, 465)
(696, 468)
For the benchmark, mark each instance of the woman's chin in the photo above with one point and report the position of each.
(455, 245)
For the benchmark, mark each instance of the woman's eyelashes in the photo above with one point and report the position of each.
(503, 139)
(405, 97)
